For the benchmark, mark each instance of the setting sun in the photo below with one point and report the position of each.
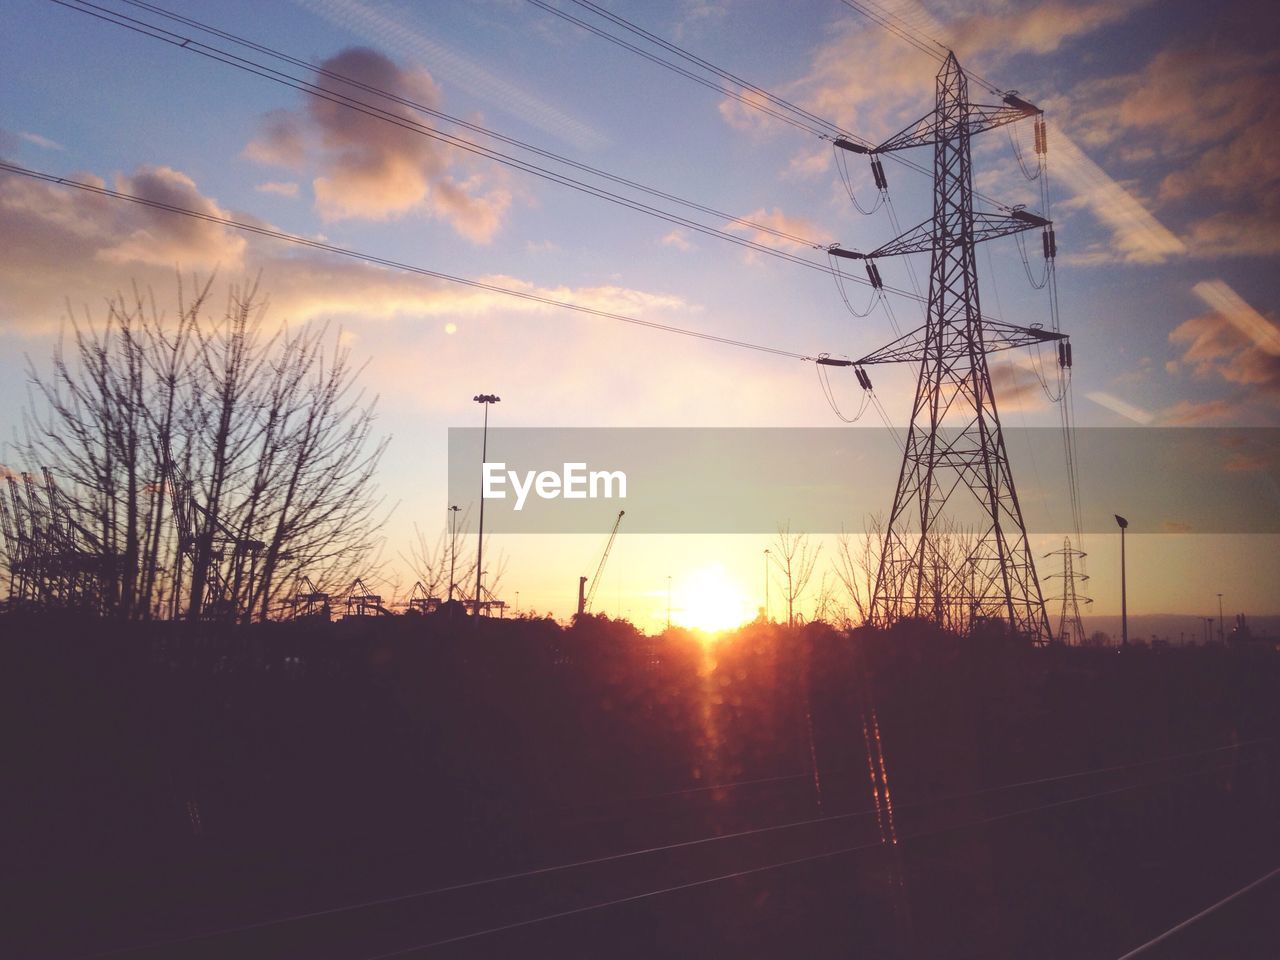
(709, 599)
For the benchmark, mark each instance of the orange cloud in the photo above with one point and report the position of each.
(1016, 386)
(79, 248)
(783, 222)
(1189, 413)
(71, 239)
(1232, 343)
(1034, 27)
(369, 168)
(1212, 115)
(279, 188)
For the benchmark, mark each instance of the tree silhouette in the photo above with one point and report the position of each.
(794, 557)
(201, 465)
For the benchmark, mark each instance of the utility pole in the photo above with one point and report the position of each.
(485, 399)
(968, 461)
(453, 547)
(1124, 594)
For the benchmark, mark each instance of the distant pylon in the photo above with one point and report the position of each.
(955, 467)
(1070, 626)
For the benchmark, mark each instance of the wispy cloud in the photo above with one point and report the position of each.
(1125, 409)
(1233, 343)
(43, 142)
(679, 239)
(1231, 306)
(1137, 236)
(80, 247)
(776, 219)
(280, 188)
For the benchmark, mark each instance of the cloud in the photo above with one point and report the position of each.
(1190, 413)
(67, 233)
(1136, 235)
(391, 32)
(43, 142)
(1232, 307)
(1210, 115)
(679, 239)
(1189, 96)
(80, 248)
(866, 79)
(1236, 234)
(371, 169)
(1125, 409)
(810, 163)
(1232, 344)
(775, 219)
(1011, 28)
(1015, 385)
(279, 188)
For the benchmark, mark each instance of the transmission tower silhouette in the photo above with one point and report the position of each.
(1070, 626)
(955, 466)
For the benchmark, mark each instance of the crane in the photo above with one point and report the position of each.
(584, 596)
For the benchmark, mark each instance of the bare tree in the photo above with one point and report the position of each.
(857, 565)
(207, 464)
(794, 557)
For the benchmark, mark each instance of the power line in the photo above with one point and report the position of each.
(799, 118)
(258, 69)
(465, 124)
(785, 104)
(676, 68)
(386, 262)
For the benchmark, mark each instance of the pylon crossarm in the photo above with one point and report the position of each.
(923, 132)
(921, 239)
(996, 335)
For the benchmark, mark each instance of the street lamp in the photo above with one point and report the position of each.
(766, 585)
(453, 547)
(485, 399)
(1222, 638)
(1124, 600)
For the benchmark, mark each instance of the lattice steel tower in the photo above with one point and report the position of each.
(1070, 624)
(955, 469)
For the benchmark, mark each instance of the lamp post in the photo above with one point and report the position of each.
(1222, 637)
(766, 584)
(453, 547)
(484, 399)
(1124, 599)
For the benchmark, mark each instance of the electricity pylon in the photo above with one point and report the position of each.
(1070, 626)
(954, 458)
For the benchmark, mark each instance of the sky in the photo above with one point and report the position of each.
(1163, 182)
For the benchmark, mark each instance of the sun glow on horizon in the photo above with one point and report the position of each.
(711, 600)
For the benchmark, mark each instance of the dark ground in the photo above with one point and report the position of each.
(890, 795)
